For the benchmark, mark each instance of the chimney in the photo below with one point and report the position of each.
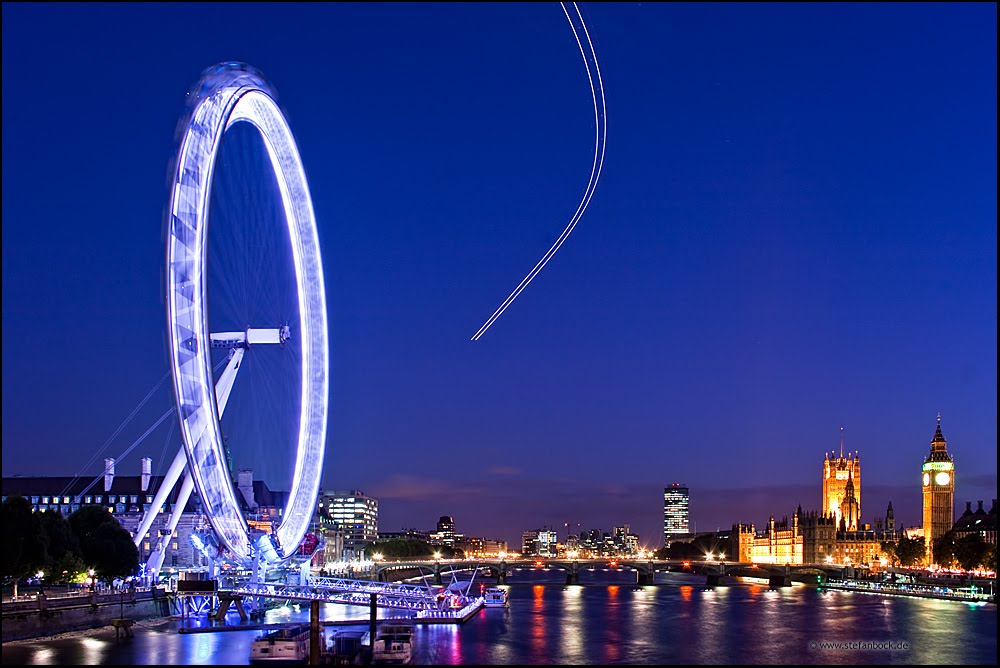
(244, 482)
(109, 473)
(147, 472)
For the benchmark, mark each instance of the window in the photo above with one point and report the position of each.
(149, 499)
(34, 499)
(45, 499)
(135, 499)
(65, 499)
(97, 499)
(88, 499)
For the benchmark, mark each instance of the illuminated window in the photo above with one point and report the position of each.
(45, 499)
(97, 499)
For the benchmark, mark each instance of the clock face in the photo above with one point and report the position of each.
(927, 479)
(942, 478)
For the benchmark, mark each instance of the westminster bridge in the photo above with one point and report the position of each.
(715, 571)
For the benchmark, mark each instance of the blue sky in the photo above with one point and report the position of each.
(795, 229)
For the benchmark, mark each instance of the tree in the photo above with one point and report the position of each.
(695, 550)
(104, 544)
(64, 558)
(889, 549)
(411, 549)
(24, 547)
(910, 551)
(970, 551)
(990, 558)
(943, 550)
(400, 549)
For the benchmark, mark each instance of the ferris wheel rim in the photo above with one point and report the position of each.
(227, 94)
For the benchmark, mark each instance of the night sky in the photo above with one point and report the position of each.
(795, 230)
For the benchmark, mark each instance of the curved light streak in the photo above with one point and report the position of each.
(226, 94)
(601, 129)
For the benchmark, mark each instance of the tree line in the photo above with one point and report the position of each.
(64, 549)
(411, 549)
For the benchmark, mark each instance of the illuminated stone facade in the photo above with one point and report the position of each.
(840, 473)
(938, 484)
(823, 542)
(780, 543)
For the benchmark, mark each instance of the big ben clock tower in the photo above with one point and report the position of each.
(938, 482)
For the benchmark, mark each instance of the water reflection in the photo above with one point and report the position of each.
(555, 623)
(538, 640)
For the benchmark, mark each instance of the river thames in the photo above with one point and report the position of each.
(599, 623)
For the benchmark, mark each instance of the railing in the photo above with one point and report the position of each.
(356, 592)
(459, 613)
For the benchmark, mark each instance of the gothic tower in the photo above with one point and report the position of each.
(849, 514)
(939, 491)
(836, 472)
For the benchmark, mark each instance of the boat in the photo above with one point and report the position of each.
(393, 644)
(287, 645)
(495, 597)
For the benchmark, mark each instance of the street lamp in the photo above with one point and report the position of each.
(41, 585)
(501, 555)
(437, 556)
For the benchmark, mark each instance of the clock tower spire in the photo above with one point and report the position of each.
(939, 491)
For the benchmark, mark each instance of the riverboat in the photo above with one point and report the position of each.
(495, 597)
(393, 644)
(283, 646)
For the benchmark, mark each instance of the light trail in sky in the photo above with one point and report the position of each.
(578, 26)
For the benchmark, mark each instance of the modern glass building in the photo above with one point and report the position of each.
(675, 511)
(356, 514)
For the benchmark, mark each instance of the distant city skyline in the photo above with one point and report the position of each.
(794, 230)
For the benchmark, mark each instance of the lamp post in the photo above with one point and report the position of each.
(41, 584)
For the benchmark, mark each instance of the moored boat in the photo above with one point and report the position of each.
(287, 645)
(495, 597)
(393, 644)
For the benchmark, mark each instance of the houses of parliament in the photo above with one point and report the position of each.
(835, 533)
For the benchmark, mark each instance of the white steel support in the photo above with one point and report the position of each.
(156, 557)
(169, 480)
(224, 387)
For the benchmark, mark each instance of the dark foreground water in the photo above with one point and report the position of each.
(619, 623)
